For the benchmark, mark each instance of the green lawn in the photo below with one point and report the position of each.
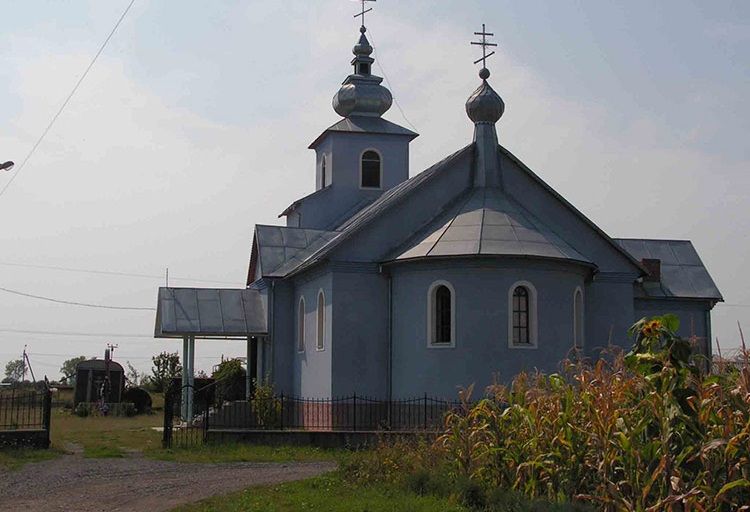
(330, 493)
(110, 437)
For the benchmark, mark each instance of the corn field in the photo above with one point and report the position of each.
(645, 431)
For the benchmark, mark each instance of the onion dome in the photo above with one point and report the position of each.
(361, 93)
(485, 105)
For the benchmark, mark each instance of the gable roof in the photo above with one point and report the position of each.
(573, 209)
(389, 198)
(683, 274)
(488, 222)
(365, 124)
(280, 250)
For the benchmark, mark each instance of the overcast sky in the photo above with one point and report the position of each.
(194, 123)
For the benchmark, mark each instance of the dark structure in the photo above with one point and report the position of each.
(98, 379)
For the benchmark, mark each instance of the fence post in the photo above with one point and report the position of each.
(205, 420)
(281, 420)
(47, 419)
(425, 411)
(166, 439)
(354, 409)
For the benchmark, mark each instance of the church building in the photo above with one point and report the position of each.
(390, 283)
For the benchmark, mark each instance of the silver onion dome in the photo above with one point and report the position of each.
(361, 93)
(485, 105)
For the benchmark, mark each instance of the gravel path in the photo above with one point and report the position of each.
(135, 484)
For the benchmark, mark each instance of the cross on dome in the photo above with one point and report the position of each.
(484, 74)
(364, 10)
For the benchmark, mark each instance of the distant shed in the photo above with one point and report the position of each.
(90, 378)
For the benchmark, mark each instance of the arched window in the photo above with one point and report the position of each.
(301, 325)
(371, 170)
(522, 316)
(321, 322)
(441, 315)
(578, 326)
(324, 172)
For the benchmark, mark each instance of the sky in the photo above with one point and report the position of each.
(194, 123)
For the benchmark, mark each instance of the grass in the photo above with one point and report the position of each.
(246, 453)
(16, 458)
(332, 493)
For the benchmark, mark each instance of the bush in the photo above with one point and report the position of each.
(82, 410)
(230, 381)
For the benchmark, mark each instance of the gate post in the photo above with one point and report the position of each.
(47, 418)
(166, 440)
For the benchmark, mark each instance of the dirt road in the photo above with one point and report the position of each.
(75, 484)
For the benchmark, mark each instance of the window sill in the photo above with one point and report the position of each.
(441, 345)
(526, 346)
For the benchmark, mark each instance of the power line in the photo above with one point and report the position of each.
(110, 273)
(67, 100)
(77, 334)
(72, 303)
(390, 86)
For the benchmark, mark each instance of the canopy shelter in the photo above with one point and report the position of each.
(210, 313)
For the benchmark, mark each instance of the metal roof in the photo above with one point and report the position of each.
(210, 313)
(282, 249)
(683, 274)
(389, 198)
(365, 124)
(488, 222)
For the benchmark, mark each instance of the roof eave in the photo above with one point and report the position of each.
(583, 263)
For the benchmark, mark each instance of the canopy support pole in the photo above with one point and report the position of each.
(185, 390)
(191, 377)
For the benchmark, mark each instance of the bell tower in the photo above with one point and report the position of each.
(361, 156)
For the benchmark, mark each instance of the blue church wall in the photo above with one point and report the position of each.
(481, 331)
(331, 206)
(693, 315)
(311, 368)
(273, 354)
(609, 313)
(360, 337)
(394, 226)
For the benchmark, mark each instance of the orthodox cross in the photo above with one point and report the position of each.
(484, 44)
(364, 10)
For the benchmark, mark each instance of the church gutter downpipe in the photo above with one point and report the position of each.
(389, 369)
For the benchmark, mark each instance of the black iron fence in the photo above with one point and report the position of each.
(352, 413)
(287, 413)
(25, 415)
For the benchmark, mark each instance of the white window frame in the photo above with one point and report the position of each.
(380, 156)
(533, 317)
(320, 322)
(301, 314)
(430, 315)
(579, 316)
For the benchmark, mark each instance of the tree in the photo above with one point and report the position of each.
(68, 369)
(15, 369)
(134, 377)
(166, 367)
